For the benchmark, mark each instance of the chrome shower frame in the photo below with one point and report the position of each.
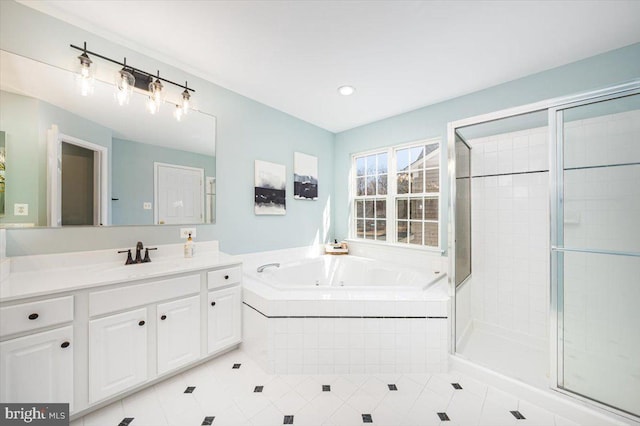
(554, 108)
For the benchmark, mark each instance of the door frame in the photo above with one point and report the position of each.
(54, 177)
(156, 166)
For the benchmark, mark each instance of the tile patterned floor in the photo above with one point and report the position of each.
(234, 390)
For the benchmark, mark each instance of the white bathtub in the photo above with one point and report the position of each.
(346, 272)
(345, 314)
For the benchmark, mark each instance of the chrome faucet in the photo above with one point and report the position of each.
(263, 267)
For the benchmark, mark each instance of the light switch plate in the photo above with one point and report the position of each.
(184, 232)
(146, 206)
(21, 209)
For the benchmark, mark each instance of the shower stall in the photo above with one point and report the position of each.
(545, 245)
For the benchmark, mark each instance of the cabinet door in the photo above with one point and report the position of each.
(178, 333)
(224, 318)
(38, 368)
(117, 353)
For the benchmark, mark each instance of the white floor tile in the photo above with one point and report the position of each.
(309, 388)
(495, 415)
(276, 388)
(363, 402)
(268, 416)
(440, 387)
(109, 415)
(326, 403)
(228, 395)
(346, 416)
(465, 408)
(316, 414)
(231, 416)
(343, 388)
(291, 402)
(252, 404)
(503, 399)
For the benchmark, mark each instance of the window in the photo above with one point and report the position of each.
(397, 194)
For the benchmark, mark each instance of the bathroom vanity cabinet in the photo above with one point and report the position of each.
(38, 367)
(90, 345)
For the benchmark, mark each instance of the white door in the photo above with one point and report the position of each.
(224, 318)
(178, 333)
(117, 353)
(179, 194)
(38, 368)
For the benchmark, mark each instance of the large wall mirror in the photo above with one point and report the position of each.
(70, 160)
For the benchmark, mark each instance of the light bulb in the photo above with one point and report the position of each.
(85, 76)
(152, 106)
(84, 70)
(178, 113)
(86, 86)
(186, 104)
(155, 87)
(124, 86)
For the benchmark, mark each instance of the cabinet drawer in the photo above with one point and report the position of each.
(102, 302)
(224, 277)
(34, 315)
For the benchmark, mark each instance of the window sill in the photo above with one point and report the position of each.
(414, 248)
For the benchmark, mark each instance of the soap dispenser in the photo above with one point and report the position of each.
(189, 247)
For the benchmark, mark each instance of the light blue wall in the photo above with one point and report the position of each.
(18, 119)
(246, 131)
(133, 173)
(431, 122)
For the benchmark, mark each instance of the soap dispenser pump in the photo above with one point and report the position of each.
(189, 247)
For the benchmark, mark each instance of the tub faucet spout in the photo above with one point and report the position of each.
(263, 267)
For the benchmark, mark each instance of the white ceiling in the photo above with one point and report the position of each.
(399, 55)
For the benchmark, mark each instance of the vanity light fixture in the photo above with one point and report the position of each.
(129, 78)
(85, 76)
(346, 90)
(125, 81)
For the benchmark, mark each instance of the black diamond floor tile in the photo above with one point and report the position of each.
(393, 387)
(288, 420)
(366, 418)
(444, 417)
(190, 389)
(518, 415)
(208, 420)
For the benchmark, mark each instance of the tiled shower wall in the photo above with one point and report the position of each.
(509, 287)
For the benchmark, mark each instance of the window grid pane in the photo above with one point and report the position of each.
(415, 210)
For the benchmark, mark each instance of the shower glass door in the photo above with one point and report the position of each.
(596, 249)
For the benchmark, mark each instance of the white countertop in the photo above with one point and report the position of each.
(33, 281)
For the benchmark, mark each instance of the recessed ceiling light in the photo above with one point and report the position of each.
(346, 90)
